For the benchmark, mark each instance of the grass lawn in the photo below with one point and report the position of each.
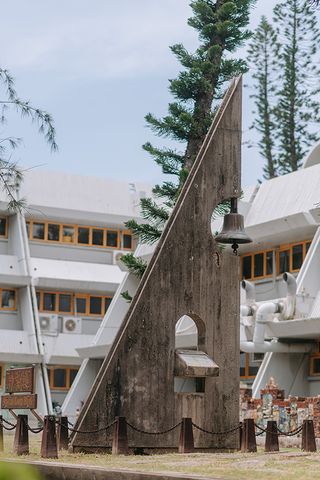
(291, 463)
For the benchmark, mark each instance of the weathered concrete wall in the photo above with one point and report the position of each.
(187, 275)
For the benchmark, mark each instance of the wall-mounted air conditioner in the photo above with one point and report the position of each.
(49, 324)
(71, 325)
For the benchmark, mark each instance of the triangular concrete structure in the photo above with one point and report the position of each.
(188, 275)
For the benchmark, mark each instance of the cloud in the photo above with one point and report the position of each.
(105, 39)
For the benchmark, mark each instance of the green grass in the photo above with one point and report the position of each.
(290, 464)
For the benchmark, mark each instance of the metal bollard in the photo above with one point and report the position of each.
(249, 443)
(1, 434)
(120, 437)
(186, 442)
(49, 438)
(240, 434)
(272, 439)
(308, 442)
(21, 437)
(62, 433)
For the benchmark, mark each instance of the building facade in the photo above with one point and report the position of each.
(59, 272)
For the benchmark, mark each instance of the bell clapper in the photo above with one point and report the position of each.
(235, 247)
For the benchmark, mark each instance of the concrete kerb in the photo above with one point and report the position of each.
(64, 471)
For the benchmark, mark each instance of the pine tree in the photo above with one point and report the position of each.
(222, 28)
(297, 105)
(10, 173)
(262, 54)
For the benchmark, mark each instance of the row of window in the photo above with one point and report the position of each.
(288, 258)
(73, 303)
(79, 235)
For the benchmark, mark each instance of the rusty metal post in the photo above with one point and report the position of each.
(272, 439)
(21, 437)
(1, 433)
(49, 438)
(240, 434)
(120, 437)
(62, 433)
(308, 443)
(249, 443)
(186, 442)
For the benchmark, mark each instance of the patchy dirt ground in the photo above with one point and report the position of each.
(289, 464)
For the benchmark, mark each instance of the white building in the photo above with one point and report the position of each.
(279, 320)
(59, 273)
(60, 281)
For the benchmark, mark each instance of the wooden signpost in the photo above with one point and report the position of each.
(20, 390)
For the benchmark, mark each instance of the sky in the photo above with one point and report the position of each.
(99, 67)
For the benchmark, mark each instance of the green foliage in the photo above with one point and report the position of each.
(222, 28)
(297, 105)
(10, 174)
(14, 471)
(286, 74)
(126, 296)
(134, 264)
(262, 54)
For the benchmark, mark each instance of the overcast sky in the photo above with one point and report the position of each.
(99, 66)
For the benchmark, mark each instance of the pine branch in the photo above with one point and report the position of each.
(126, 296)
(154, 213)
(43, 118)
(146, 233)
(135, 265)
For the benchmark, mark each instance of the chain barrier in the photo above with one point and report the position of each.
(9, 423)
(231, 430)
(7, 428)
(153, 433)
(88, 432)
(279, 432)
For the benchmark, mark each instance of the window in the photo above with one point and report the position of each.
(8, 299)
(77, 234)
(3, 227)
(288, 258)
(67, 234)
(246, 267)
(127, 240)
(258, 262)
(54, 232)
(38, 231)
(284, 261)
(65, 302)
(61, 378)
(269, 262)
(49, 302)
(249, 365)
(79, 304)
(84, 235)
(95, 305)
(97, 236)
(297, 256)
(314, 364)
(112, 239)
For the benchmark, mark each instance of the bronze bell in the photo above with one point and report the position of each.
(233, 231)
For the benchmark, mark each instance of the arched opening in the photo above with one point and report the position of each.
(189, 376)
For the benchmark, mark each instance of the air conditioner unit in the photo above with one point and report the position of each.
(72, 325)
(49, 324)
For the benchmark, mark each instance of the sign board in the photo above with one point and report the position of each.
(23, 401)
(20, 380)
